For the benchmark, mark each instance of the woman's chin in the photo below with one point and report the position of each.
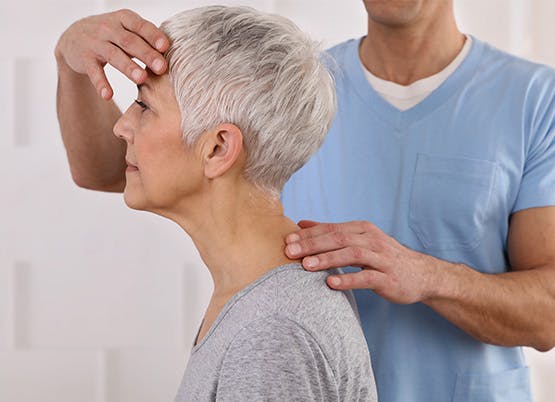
(134, 202)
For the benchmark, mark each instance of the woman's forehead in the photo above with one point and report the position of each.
(156, 85)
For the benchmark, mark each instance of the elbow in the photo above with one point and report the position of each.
(90, 183)
(83, 181)
(80, 181)
(544, 346)
(545, 342)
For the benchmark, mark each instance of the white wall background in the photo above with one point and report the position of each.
(100, 303)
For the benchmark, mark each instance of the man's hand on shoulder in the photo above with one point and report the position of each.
(113, 38)
(391, 270)
(507, 309)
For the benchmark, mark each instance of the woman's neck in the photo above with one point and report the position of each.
(239, 233)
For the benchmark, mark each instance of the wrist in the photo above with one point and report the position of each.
(450, 279)
(434, 277)
(443, 279)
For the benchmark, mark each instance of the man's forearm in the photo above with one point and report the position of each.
(508, 309)
(96, 157)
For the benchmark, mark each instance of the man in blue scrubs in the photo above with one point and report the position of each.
(441, 161)
(439, 176)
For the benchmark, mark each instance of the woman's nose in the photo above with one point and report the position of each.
(123, 128)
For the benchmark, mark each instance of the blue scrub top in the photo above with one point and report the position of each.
(442, 178)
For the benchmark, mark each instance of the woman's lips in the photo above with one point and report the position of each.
(130, 167)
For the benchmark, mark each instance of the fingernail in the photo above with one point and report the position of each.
(293, 237)
(334, 281)
(136, 74)
(294, 249)
(104, 93)
(310, 262)
(160, 44)
(158, 65)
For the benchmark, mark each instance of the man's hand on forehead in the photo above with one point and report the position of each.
(113, 38)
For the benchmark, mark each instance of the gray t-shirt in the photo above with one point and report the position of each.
(286, 337)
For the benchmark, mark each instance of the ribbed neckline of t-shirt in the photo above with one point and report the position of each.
(404, 97)
(400, 119)
(229, 305)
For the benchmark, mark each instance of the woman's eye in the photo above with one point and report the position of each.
(141, 104)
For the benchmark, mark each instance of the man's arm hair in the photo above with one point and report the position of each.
(96, 157)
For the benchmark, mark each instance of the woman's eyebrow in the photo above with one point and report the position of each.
(144, 85)
(147, 92)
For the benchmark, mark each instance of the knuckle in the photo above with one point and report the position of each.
(346, 280)
(339, 238)
(368, 240)
(124, 12)
(332, 227)
(323, 260)
(307, 245)
(356, 253)
(367, 276)
(150, 58)
(129, 68)
(370, 282)
(326, 260)
(367, 226)
(127, 40)
(111, 54)
(380, 244)
(138, 25)
(147, 57)
(103, 28)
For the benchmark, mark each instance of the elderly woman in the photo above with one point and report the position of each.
(209, 146)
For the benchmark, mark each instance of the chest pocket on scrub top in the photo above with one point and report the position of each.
(449, 201)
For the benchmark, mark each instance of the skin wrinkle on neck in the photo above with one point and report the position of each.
(239, 233)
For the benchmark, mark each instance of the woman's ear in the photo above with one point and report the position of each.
(223, 147)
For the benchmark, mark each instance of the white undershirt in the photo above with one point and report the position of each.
(404, 97)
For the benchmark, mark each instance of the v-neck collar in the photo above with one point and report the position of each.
(398, 119)
(229, 305)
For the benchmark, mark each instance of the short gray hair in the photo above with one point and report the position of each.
(258, 71)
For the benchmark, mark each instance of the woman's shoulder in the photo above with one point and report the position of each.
(305, 292)
(328, 315)
(304, 320)
(303, 298)
(297, 298)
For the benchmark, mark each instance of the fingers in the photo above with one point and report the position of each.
(118, 59)
(313, 229)
(134, 46)
(115, 38)
(143, 40)
(326, 242)
(100, 82)
(348, 256)
(365, 279)
(146, 29)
